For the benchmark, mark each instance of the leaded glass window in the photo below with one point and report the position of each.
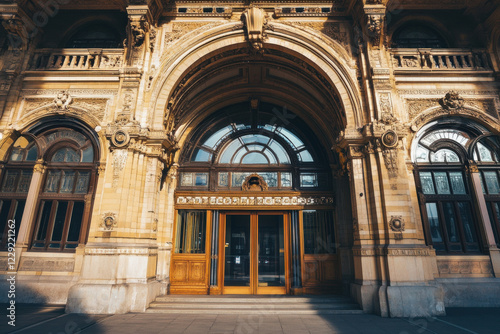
(62, 218)
(444, 182)
(234, 144)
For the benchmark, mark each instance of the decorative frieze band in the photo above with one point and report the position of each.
(253, 200)
(41, 264)
(393, 252)
(464, 267)
(121, 251)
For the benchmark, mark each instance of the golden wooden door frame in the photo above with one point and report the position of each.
(254, 249)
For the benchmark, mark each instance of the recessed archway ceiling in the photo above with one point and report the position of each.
(232, 76)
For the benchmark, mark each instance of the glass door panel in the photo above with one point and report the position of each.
(237, 254)
(271, 258)
(254, 253)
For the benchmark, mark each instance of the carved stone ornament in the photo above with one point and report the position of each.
(254, 182)
(254, 19)
(397, 224)
(390, 161)
(452, 100)
(108, 221)
(138, 31)
(120, 138)
(62, 101)
(374, 26)
(389, 139)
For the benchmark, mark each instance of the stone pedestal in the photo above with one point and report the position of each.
(400, 301)
(116, 279)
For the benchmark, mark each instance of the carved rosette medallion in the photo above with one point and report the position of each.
(108, 221)
(397, 224)
(120, 138)
(389, 139)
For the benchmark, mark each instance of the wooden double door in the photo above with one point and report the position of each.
(254, 248)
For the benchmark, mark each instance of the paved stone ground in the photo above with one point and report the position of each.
(35, 319)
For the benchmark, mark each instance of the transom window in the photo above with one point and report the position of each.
(447, 198)
(238, 142)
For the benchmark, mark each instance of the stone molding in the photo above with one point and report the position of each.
(120, 251)
(46, 264)
(393, 252)
(462, 267)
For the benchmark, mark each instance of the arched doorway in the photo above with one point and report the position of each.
(254, 207)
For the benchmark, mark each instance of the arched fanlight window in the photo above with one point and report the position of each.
(16, 178)
(62, 218)
(230, 148)
(447, 201)
(417, 36)
(254, 149)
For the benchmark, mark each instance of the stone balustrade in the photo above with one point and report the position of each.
(440, 59)
(77, 59)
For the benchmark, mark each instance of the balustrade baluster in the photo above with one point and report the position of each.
(464, 61)
(81, 61)
(448, 62)
(60, 59)
(97, 61)
(441, 62)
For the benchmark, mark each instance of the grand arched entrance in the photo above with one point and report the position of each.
(255, 207)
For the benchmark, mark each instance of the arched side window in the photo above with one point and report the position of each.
(95, 35)
(445, 187)
(62, 217)
(486, 153)
(417, 36)
(16, 178)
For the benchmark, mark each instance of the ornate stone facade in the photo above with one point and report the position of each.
(361, 108)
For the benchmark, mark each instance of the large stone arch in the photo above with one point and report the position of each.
(321, 53)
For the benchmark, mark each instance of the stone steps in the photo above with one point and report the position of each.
(253, 305)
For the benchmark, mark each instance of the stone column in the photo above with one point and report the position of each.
(366, 277)
(29, 213)
(485, 219)
(165, 236)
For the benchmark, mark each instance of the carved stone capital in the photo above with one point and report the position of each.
(472, 167)
(39, 167)
(356, 151)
